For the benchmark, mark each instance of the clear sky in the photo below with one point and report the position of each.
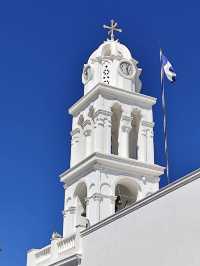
(43, 46)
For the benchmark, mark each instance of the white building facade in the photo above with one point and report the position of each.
(112, 154)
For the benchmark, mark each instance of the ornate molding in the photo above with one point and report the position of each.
(102, 112)
(91, 112)
(86, 123)
(81, 120)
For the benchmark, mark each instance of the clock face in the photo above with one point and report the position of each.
(87, 73)
(127, 69)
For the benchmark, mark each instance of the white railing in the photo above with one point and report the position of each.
(66, 243)
(44, 253)
(58, 249)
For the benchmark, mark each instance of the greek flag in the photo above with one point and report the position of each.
(166, 68)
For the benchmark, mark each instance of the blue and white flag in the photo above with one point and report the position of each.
(168, 71)
(166, 68)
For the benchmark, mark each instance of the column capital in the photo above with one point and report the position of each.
(126, 123)
(102, 113)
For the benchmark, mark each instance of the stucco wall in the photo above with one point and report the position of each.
(164, 232)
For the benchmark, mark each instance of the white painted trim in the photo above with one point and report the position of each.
(112, 92)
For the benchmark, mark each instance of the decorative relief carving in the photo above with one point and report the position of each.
(102, 112)
(81, 120)
(108, 121)
(86, 123)
(91, 112)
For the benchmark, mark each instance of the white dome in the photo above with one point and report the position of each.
(112, 64)
(111, 48)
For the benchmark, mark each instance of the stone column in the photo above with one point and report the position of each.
(99, 132)
(107, 206)
(124, 129)
(107, 132)
(150, 145)
(145, 142)
(75, 140)
(88, 139)
(142, 144)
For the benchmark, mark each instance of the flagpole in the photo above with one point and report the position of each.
(165, 123)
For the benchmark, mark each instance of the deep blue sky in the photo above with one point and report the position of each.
(43, 46)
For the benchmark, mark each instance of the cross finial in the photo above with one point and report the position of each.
(112, 28)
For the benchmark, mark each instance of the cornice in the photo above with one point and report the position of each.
(113, 164)
(111, 92)
(135, 206)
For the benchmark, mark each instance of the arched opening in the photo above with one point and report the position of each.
(80, 196)
(133, 135)
(115, 122)
(126, 193)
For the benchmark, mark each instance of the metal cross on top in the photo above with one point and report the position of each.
(112, 28)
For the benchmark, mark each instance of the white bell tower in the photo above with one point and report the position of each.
(112, 146)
